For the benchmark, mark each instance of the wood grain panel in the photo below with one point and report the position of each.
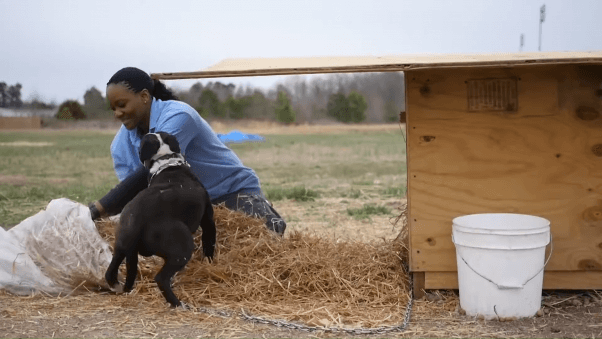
(540, 159)
(355, 64)
(552, 280)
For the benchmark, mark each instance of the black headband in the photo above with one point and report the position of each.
(136, 79)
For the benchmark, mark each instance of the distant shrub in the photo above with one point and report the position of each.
(209, 105)
(347, 109)
(367, 210)
(284, 111)
(70, 110)
(357, 107)
(237, 107)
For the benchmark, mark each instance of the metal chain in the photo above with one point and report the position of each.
(300, 327)
(219, 313)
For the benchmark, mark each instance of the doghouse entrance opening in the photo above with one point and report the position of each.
(324, 172)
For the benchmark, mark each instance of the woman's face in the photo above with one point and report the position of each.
(132, 109)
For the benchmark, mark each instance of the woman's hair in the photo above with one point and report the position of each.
(137, 80)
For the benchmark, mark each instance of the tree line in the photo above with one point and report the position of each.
(10, 96)
(348, 98)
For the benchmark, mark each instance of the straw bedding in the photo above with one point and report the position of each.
(301, 277)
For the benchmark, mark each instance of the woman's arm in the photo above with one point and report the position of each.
(132, 175)
(125, 154)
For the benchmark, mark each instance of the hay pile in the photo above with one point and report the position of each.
(301, 277)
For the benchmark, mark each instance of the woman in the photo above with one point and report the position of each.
(144, 105)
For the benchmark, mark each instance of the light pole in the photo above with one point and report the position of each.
(522, 42)
(542, 18)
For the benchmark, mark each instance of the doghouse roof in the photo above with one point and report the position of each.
(317, 65)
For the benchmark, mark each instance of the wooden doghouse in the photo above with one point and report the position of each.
(508, 133)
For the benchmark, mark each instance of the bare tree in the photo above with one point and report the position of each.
(3, 94)
(14, 96)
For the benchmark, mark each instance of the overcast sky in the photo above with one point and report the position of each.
(58, 49)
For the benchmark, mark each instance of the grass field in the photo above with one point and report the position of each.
(343, 181)
(339, 181)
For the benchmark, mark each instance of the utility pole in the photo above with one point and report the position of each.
(542, 18)
(522, 42)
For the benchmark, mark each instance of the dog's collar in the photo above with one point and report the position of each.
(167, 157)
(164, 162)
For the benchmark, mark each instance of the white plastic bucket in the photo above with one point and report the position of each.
(500, 260)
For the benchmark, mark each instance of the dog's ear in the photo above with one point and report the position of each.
(171, 141)
(149, 145)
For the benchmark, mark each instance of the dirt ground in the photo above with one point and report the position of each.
(565, 315)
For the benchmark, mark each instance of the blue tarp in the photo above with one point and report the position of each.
(237, 137)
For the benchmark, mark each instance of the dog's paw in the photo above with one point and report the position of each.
(208, 252)
(184, 306)
(117, 288)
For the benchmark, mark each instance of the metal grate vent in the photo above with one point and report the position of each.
(492, 95)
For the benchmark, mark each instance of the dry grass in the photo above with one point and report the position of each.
(328, 284)
(271, 127)
(301, 277)
(328, 218)
(93, 315)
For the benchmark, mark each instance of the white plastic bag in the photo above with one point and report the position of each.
(54, 251)
(18, 273)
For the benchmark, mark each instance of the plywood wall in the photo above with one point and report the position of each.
(542, 157)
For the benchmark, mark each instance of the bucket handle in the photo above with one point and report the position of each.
(507, 287)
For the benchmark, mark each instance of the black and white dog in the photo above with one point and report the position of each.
(161, 219)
